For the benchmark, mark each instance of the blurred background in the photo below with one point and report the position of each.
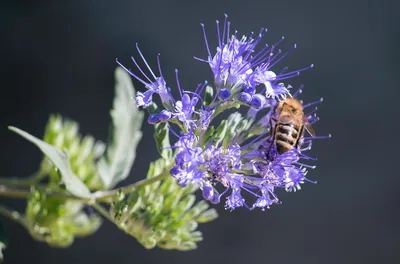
(59, 57)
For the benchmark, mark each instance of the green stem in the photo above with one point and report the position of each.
(102, 211)
(11, 192)
(24, 182)
(8, 190)
(13, 215)
(106, 195)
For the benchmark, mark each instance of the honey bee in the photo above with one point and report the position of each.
(290, 122)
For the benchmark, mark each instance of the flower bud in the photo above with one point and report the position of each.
(153, 119)
(164, 115)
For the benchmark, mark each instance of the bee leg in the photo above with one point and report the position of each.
(272, 135)
(298, 145)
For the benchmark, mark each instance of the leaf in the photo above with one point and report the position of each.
(61, 161)
(209, 94)
(126, 134)
(161, 136)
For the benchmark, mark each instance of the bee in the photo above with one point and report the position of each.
(290, 122)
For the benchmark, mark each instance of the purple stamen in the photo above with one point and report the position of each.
(137, 66)
(312, 112)
(318, 137)
(131, 73)
(313, 103)
(223, 34)
(205, 39)
(219, 36)
(145, 62)
(299, 91)
(305, 165)
(283, 56)
(159, 65)
(177, 81)
(254, 140)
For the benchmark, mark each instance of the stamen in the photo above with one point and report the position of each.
(283, 56)
(313, 103)
(177, 81)
(252, 60)
(219, 36)
(205, 39)
(312, 112)
(194, 94)
(253, 141)
(227, 33)
(318, 137)
(299, 91)
(145, 62)
(173, 132)
(305, 165)
(310, 181)
(131, 73)
(202, 87)
(314, 121)
(159, 65)
(140, 69)
(202, 60)
(302, 156)
(223, 34)
(308, 147)
(293, 73)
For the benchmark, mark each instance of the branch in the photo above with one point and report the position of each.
(106, 195)
(11, 192)
(13, 215)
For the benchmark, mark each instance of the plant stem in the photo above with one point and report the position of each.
(24, 182)
(106, 195)
(13, 215)
(11, 192)
(102, 211)
(7, 189)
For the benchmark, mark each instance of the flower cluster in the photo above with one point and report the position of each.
(239, 154)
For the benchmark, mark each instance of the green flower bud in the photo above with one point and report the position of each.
(83, 152)
(162, 214)
(57, 222)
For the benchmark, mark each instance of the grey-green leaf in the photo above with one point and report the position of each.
(161, 136)
(61, 161)
(209, 93)
(126, 133)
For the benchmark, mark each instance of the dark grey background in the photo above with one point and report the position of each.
(59, 56)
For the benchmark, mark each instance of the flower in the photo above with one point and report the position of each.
(226, 158)
(236, 66)
(157, 86)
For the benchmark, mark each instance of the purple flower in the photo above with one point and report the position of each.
(235, 200)
(238, 156)
(158, 85)
(184, 110)
(236, 64)
(265, 201)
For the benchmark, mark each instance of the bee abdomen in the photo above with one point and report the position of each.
(286, 137)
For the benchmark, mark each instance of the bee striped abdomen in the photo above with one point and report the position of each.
(286, 137)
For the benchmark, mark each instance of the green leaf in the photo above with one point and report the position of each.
(161, 135)
(209, 94)
(61, 161)
(126, 134)
(207, 216)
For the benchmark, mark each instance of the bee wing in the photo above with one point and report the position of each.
(309, 128)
